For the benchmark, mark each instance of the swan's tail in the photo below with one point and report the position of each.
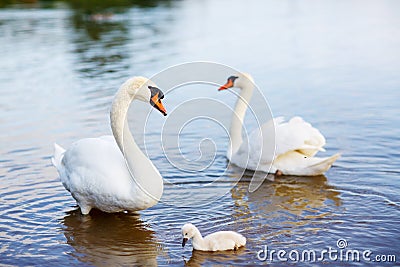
(321, 167)
(58, 156)
(295, 163)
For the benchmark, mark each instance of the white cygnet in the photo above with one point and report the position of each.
(222, 240)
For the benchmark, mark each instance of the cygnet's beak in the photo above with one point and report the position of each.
(184, 241)
(228, 84)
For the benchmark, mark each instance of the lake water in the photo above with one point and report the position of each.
(335, 63)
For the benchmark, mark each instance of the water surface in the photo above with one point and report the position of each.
(334, 63)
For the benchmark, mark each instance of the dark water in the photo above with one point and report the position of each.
(334, 63)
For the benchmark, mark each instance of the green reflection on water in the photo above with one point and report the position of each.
(87, 6)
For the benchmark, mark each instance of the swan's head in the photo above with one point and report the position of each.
(188, 231)
(145, 90)
(239, 80)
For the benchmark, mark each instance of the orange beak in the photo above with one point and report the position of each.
(158, 104)
(228, 84)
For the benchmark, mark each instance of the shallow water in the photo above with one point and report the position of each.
(335, 64)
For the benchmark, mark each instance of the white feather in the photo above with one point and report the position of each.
(289, 147)
(95, 171)
(218, 241)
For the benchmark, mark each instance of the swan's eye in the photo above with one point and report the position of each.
(155, 100)
(155, 91)
(232, 78)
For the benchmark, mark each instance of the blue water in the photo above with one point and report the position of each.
(335, 63)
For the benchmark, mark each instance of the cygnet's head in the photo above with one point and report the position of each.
(145, 90)
(188, 231)
(240, 80)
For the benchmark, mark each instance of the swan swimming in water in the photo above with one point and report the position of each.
(218, 241)
(296, 141)
(95, 170)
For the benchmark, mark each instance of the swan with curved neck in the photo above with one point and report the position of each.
(293, 150)
(111, 173)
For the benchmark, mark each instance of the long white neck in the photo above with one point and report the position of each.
(142, 170)
(198, 240)
(235, 131)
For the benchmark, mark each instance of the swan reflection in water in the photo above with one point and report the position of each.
(281, 210)
(198, 257)
(104, 239)
(283, 203)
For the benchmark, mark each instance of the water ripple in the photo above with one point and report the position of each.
(60, 70)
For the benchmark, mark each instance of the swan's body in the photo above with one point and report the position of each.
(295, 144)
(95, 170)
(222, 240)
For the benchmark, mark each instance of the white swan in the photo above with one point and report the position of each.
(296, 141)
(222, 240)
(95, 170)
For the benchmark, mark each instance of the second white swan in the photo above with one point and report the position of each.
(295, 144)
(111, 173)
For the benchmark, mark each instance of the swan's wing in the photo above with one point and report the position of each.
(297, 135)
(276, 138)
(57, 157)
(296, 163)
(223, 240)
(95, 166)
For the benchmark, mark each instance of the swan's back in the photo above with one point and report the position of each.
(95, 172)
(96, 165)
(225, 240)
(292, 150)
(298, 135)
(294, 135)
